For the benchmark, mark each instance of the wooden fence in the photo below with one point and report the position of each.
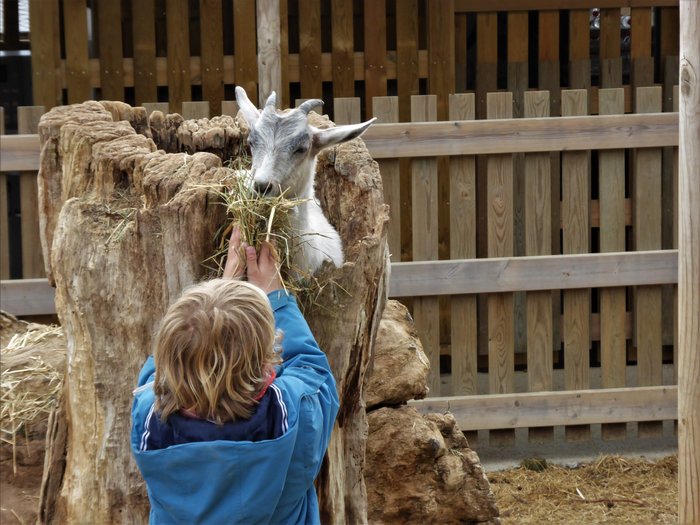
(559, 273)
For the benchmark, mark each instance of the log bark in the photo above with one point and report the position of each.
(125, 226)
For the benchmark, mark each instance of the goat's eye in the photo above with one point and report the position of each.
(300, 150)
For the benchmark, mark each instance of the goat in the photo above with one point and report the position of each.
(284, 148)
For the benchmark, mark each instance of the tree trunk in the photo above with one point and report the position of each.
(125, 225)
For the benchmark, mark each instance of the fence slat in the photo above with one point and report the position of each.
(76, 43)
(4, 225)
(407, 76)
(342, 54)
(346, 110)
(195, 110)
(501, 319)
(310, 48)
(538, 241)
(46, 53)
(32, 259)
(463, 337)
(212, 52)
(576, 239)
(579, 49)
(647, 236)
(642, 64)
(111, 57)
(375, 48)
(548, 67)
(486, 59)
(611, 183)
(144, 30)
(610, 59)
(425, 246)
(177, 18)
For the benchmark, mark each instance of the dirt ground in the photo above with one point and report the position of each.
(612, 490)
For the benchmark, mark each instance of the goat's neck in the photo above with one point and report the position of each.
(304, 190)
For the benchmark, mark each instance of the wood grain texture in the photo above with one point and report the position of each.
(579, 49)
(424, 190)
(269, 50)
(407, 71)
(77, 77)
(689, 268)
(642, 72)
(548, 54)
(245, 48)
(343, 48)
(4, 225)
(468, 6)
(486, 59)
(346, 110)
(610, 59)
(144, 74)
(375, 48)
(111, 57)
(179, 89)
(212, 53)
(46, 53)
(195, 110)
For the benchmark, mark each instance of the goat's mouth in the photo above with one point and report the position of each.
(267, 189)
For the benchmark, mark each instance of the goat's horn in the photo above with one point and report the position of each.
(310, 104)
(271, 100)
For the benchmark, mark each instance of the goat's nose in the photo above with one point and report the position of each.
(262, 188)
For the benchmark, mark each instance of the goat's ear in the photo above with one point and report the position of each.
(322, 138)
(250, 112)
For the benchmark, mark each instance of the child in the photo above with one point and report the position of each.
(222, 432)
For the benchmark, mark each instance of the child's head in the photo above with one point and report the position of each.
(214, 350)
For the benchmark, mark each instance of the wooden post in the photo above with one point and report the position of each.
(269, 50)
(689, 267)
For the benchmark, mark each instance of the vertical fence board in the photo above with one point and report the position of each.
(461, 52)
(284, 54)
(32, 259)
(346, 110)
(486, 59)
(144, 27)
(46, 53)
(269, 49)
(406, 55)
(310, 48)
(150, 107)
(177, 18)
(610, 60)
(386, 109)
(343, 49)
(501, 323)
(425, 246)
(245, 56)
(613, 342)
(229, 107)
(109, 15)
(375, 48)
(579, 49)
(675, 173)
(76, 37)
(195, 110)
(463, 246)
(548, 71)
(212, 54)
(4, 226)
(647, 236)
(576, 239)
(538, 241)
(642, 73)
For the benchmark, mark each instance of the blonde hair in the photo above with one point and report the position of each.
(215, 348)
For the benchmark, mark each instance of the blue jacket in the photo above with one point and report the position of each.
(270, 481)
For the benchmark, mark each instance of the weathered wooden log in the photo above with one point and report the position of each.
(125, 227)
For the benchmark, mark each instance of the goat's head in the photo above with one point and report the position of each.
(284, 145)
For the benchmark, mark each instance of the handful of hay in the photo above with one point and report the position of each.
(33, 364)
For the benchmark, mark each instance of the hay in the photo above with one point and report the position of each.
(612, 489)
(33, 364)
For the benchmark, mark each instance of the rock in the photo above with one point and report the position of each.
(420, 470)
(400, 370)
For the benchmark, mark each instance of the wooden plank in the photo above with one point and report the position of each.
(346, 110)
(32, 258)
(610, 59)
(538, 241)
(375, 48)
(575, 187)
(579, 49)
(76, 43)
(548, 53)
(343, 48)
(179, 89)
(245, 48)
(19, 153)
(27, 297)
(386, 109)
(501, 321)
(284, 55)
(310, 48)
(557, 272)
(470, 6)
(521, 135)
(111, 57)
(156, 106)
(46, 54)
(195, 110)
(518, 59)
(647, 236)
(642, 67)
(4, 215)
(425, 245)
(556, 408)
(441, 53)
(212, 52)
(144, 29)
(269, 48)
(486, 59)
(462, 208)
(611, 184)
(461, 31)
(407, 71)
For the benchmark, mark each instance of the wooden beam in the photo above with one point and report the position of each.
(470, 6)
(555, 272)
(689, 268)
(541, 409)
(27, 297)
(19, 152)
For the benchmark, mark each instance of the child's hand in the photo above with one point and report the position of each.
(235, 265)
(263, 270)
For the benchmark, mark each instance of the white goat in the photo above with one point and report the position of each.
(284, 148)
